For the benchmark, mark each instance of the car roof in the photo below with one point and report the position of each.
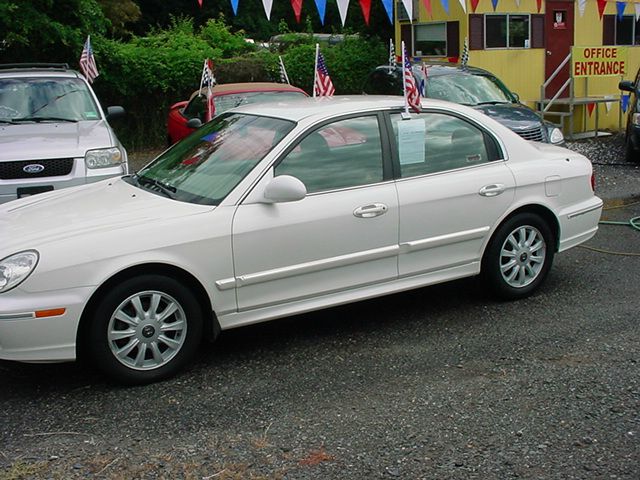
(320, 107)
(13, 70)
(243, 87)
(440, 68)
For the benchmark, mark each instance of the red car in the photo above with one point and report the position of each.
(225, 97)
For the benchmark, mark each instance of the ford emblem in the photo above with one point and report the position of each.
(33, 168)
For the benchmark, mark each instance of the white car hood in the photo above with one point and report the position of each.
(104, 206)
(35, 141)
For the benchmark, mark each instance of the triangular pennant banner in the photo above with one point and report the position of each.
(474, 5)
(365, 6)
(267, 4)
(590, 107)
(582, 4)
(200, 3)
(343, 6)
(427, 6)
(518, 4)
(463, 4)
(234, 5)
(321, 5)
(602, 4)
(445, 5)
(539, 5)
(608, 105)
(620, 6)
(388, 7)
(408, 6)
(495, 4)
(625, 102)
(297, 8)
(637, 5)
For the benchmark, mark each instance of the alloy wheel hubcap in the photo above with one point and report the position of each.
(522, 256)
(147, 330)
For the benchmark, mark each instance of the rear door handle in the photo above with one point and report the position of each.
(370, 211)
(492, 190)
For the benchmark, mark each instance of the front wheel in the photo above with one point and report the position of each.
(519, 256)
(145, 329)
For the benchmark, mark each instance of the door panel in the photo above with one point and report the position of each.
(559, 39)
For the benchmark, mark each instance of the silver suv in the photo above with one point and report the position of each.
(53, 131)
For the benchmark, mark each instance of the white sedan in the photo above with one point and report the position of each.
(274, 210)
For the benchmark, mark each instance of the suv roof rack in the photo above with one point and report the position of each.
(56, 66)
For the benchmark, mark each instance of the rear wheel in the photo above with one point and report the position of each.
(145, 329)
(519, 256)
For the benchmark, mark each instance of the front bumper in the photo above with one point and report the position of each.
(26, 338)
(79, 175)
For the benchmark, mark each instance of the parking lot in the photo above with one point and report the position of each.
(440, 382)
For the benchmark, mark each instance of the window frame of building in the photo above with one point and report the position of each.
(528, 39)
(415, 41)
(635, 30)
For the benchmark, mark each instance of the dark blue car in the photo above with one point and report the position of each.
(470, 86)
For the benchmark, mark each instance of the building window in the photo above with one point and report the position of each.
(430, 39)
(628, 31)
(507, 31)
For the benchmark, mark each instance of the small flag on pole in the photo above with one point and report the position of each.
(88, 61)
(208, 80)
(423, 82)
(464, 60)
(322, 84)
(392, 53)
(284, 78)
(411, 94)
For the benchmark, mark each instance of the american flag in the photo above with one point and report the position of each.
(284, 78)
(411, 94)
(208, 80)
(392, 53)
(323, 86)
(88, 62)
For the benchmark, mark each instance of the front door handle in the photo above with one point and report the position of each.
(370, 211)
(492, 190)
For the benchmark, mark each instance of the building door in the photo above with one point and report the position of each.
(558, 32)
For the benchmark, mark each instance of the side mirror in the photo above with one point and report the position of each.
(626, 85)
(194, 123)
(115, 112)
(284, 188)
(516, 96)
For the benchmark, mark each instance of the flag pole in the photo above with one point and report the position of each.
(204, 65)
(315, 70)
(404, 83)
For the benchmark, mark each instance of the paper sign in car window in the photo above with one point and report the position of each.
(411, 141)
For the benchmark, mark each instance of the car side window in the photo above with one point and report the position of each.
(437, 142)
(196, 108)
(342, 154)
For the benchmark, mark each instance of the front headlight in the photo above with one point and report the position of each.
(556, 136)
(103, 157)
(16, 268)
(635, 119)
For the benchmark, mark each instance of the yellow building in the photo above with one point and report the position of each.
(524, 42)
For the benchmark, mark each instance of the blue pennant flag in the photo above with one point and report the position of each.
(445, 5)
(321, 5)
(388, 7)
(625, 102)
(495, 4)
(234, 5)
(620, 6)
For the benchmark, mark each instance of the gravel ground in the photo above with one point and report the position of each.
(436, 383)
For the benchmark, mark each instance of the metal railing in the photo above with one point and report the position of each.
(549, 80)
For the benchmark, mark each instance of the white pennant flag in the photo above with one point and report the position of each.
(518, 4)
(267, 4)
(637, 5)
(608, 105)
(343, 6)
(582, 4)
(463, 4)
(408, 6)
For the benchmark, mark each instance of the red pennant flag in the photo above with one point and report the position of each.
(590, 107)
(200, 3)
(539, 2)
(453, 59)
(474, 5)
(427, 5)
(365, 5)
(602, 4)
(297, 8)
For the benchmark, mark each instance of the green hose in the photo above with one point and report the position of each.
(633, 222)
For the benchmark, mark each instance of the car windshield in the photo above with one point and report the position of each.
(24, 100)
(204, 167)
(232, 100)
(468, 89)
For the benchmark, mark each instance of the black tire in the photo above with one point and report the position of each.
(529, 265)
(630, 155)
(159, 352)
